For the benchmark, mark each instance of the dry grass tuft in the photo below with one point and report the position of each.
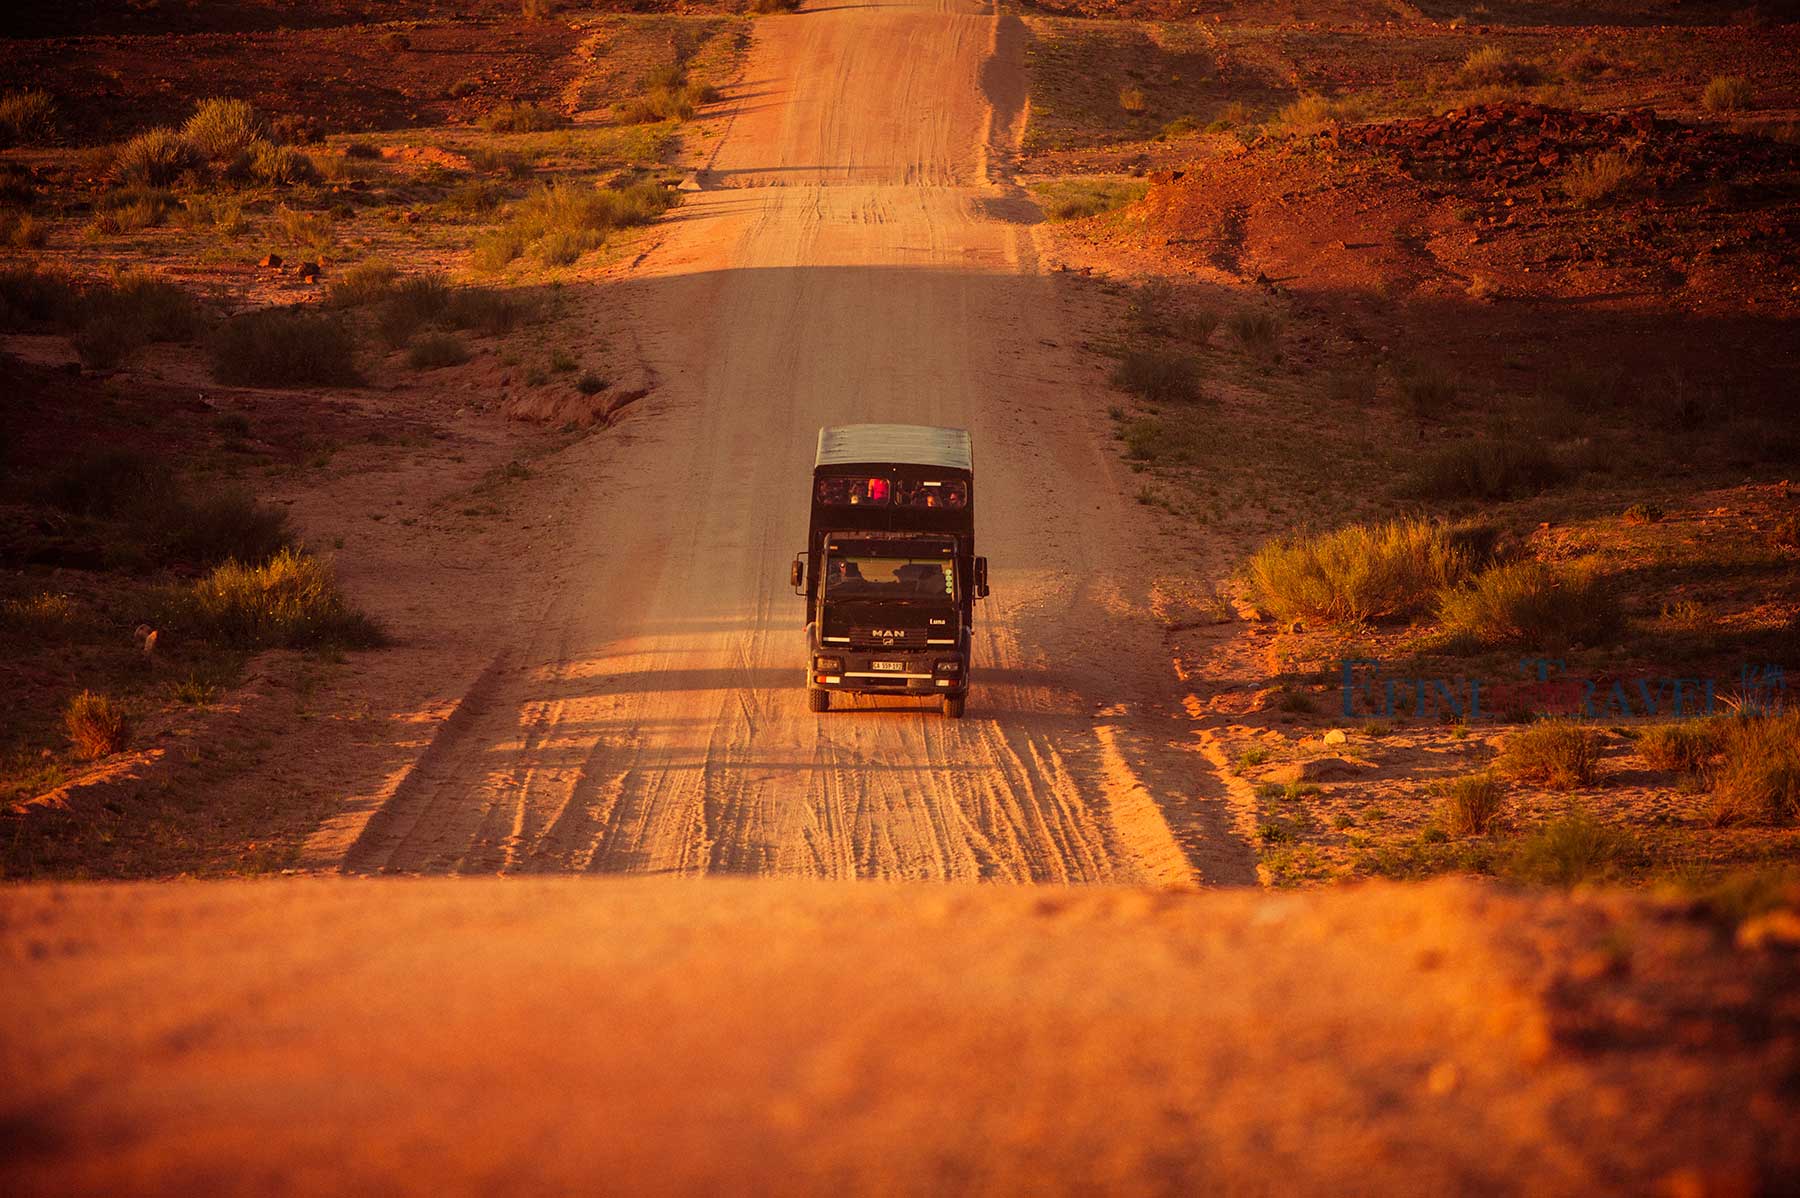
(27, 118)
(1530, 603)
(1158, 375)
(522, 118)
(1486, 468)
(277, 347)
(1599, 176)
(1079, 198)
(1313, 114)
(221, 129)
(96, 724)
(1689, 746)
(1470, 805)
(1559, 754)
(1757, 777)
(1357, 574)
(1728, 93)
(291, 601)
(156, 158)
(1569, 851)
(1495, 66)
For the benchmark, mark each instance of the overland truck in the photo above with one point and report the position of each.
(889, 572)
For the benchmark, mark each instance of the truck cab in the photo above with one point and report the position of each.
(889, 572)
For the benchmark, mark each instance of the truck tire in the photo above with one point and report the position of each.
(953, 706)
(818, 700)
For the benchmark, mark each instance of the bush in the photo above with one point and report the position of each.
(277, 347)
(1570, 850)
(434, 351)
(503, 162)
(27, 118)
(1598, 176)
(364, 283)
(1689, 745)
(156, 158)
(522, 118)
(1530, 603)
(28, 295)
(590, 384)
(1426, 391)
(216, 213)
(106, 340)
(483, 310)
(23, 231)
(96, 725)
(224, 526)
(160, 310)
(1259, 333)
(1728, 93)
(106, 483)
(1358, 573)
(305, 230)
(222, 129)
(1493, 66)
(1559, 754)
(364, 150)
(562, 223)
(1486, 468)
(1758, 772)
(277, 166)
(291, 602)
(1131, 99)
(1311, 114)
(1077, 199)
(1469, 805)
(1158, 376)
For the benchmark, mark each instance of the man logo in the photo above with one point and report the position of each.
(888, 634)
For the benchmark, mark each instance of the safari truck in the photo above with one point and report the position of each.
(889, 573)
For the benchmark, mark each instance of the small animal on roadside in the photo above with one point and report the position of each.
(146, 639)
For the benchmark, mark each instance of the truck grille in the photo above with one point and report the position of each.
(872, 638)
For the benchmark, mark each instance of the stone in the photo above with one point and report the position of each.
(271, 261)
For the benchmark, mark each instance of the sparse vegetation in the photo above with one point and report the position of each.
(277, 347)
(96, 725)
(1493, 66)
(1559, 754)
(1357, 574)
(1131, 99)
(1689, 746)
(1258, 332)
(559, 224)
(1530, 603)
(277, 165)
(669, 95)
(1468, 806)
(1426, 391)
(1313, 113)
(291, 601)
(1728, 93)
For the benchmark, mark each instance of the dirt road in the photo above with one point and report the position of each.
(855, 253)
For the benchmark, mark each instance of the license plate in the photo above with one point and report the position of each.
(897, 666)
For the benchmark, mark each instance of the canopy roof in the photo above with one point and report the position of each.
(911, 444)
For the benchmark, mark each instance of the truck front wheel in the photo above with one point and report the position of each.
(818, 700)
(953, 706)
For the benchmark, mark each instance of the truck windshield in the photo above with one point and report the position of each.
(923, 580)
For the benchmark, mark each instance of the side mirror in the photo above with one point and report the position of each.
(797, 576)
(981, 579)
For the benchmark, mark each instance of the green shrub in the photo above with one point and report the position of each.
(1493, 66)
(291, 601)
(1559, 754)
(1598, 176)
(433, 351)
(1758, 772)
(27, 118)
(1688, 745)
(277, 347)
(1358, 573)
(1158, 376)
(1485, 468)
(1530, 603)
(1082, 197)
(522, 118)
(1570, 850)
(1728, 93)
(156, 158)
(96, 725)
(1468, 806)
(222, 129)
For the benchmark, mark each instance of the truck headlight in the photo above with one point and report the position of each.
(829, 665)
(949, 666)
